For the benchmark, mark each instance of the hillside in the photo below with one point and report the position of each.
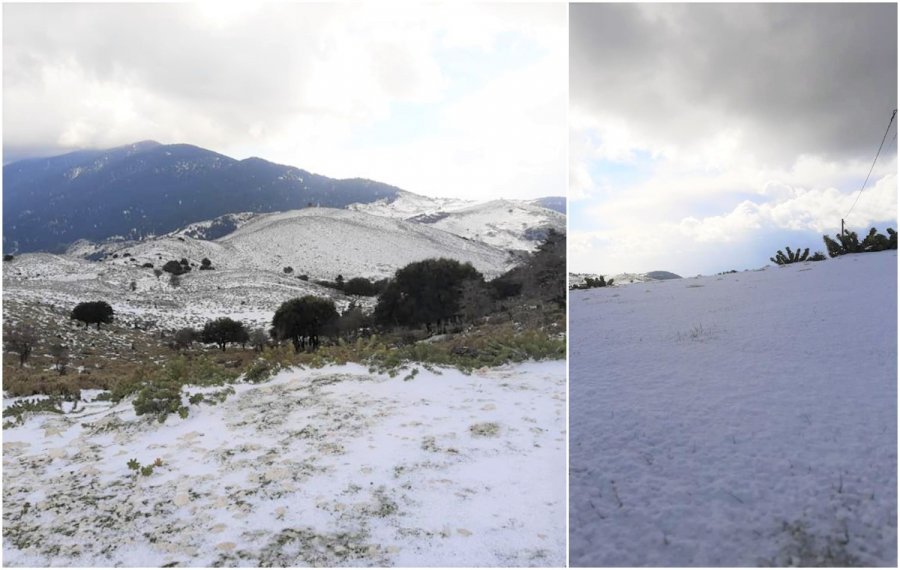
(748, 419)
(319, 242)
(329, 467)
(149, 189)
(625, 278)
(505, 224)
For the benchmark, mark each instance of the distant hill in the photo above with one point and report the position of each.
(557, 203)
(319, 242)
(625, 278)
(148, 188)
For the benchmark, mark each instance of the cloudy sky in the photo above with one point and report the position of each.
(705, 137)
(462, 100)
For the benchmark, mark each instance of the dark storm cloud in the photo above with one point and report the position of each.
(794, 78)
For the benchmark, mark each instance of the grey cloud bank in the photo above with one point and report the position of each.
(794, 78)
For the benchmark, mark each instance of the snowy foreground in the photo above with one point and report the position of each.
(316, 467)
(737, 420)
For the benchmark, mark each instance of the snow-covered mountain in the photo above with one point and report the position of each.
(506, 224)
(744, 419)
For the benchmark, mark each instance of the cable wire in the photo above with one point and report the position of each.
(894, 114)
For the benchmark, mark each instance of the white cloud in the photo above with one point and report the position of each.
(299, 83)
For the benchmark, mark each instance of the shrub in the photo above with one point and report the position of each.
(288, 270)
(20, 340)
(19, 409)
(302, 320)
(817, 256)
(205, 263)
(8, 257)
(425, 292)
(791, 257)
(95, 312)
(542, 275)
(360, 286)
(173, 267)
(184, 338)
(224, 330)
(593, 283)
(60, 355)
(848, 242)
(258, 339)
(303, 277)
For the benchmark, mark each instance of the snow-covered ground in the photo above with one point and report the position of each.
(739, 420)
(319, 242)
(504, 224)
(335, 466)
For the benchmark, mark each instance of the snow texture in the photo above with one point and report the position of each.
(740, 420)
(329, 467)
(505, 224)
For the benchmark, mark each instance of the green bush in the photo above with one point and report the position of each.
(593, 283)
(791, 257)
(18, 410)
(848, 242)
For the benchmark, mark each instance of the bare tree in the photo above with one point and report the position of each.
(20, 340)
(258, 339)
(60, 356)
(184, 338)
(474, 302)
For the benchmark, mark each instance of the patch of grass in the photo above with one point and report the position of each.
(802, 548)
(486, 346)
(486, 429)
(19, 409)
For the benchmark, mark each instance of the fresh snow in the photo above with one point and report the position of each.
(335, 466)
(319, 242)
(740, 420)
(505, 224)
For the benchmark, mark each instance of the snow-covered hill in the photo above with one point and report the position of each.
(45, 286)
(332, 467)
(738, 420)
(319, 242)
(505, 224)
(624, 278)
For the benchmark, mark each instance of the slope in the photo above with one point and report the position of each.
(740, 420)
(328, 467)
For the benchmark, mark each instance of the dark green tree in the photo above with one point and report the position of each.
(173, 267)
(224, 330)
(425, 293)
(94, 312)
(360, 286)
(302, 320)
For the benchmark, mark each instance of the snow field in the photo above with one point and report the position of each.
(335, 466)
(740, 420)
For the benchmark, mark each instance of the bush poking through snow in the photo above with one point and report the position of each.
(791, 257)
(145, 470)
(592, 283)
(19, 409)
(849, 242)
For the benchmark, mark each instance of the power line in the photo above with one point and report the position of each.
(894, 114)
